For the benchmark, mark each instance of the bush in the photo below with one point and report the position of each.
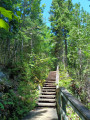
(14, 106)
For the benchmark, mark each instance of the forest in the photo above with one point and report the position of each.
(29, 50)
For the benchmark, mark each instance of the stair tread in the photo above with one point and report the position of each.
(50, 100)
(48, 92)
(49, 86)
(49, 83)
(52, 78)
(48, 96)
(47, 104)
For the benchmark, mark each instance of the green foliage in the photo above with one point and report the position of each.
(29, 50)
(1, 106)
(71, 83)
(4, 25)
(71, 114)
(6, 13)
(15, 106)
(65, 79)
(19, 13)
(26, 53)
(29, 93)
(71, 26)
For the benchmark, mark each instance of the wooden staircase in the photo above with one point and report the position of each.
(48, 92)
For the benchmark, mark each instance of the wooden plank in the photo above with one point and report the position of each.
(46, 100)
(63, 114)
(49, 88)
(47, 96)
(48, 93)
(77, 106)
(47, 104)
(57, 77)
(81, 110)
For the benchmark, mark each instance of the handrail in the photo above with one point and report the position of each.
(63, 97)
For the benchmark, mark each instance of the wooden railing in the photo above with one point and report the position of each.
(64, 98)
(57, 77)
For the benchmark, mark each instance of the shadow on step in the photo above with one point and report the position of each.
(41, 113)
(34, 113)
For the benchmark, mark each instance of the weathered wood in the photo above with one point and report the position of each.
(49, 87)
(57, 77)
(46, 104)
(63, 97)
(77, 106)
(46, 99)
(48, 93)
(47, 96)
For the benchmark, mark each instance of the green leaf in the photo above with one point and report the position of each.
(17, 18)
(6, 13)
(1, 106)
(4, 25)
(19, 13)
(9, 14)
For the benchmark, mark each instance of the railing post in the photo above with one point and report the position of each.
(57, 77)
(60, 104)
(63, 97)
(39, 88)
(64, 106)
(58, 101)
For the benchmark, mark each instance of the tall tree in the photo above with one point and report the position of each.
(60, 19)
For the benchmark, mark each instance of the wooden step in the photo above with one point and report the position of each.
(48, 93)
(49, 83)
(52, 75)
(51, 80)
(46, 104)
(47, 96)
(46, 100)
(49, 88)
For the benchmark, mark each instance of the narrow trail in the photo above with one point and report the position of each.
(46, 109)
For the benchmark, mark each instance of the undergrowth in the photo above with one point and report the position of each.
(22, 96)
(75, 88)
